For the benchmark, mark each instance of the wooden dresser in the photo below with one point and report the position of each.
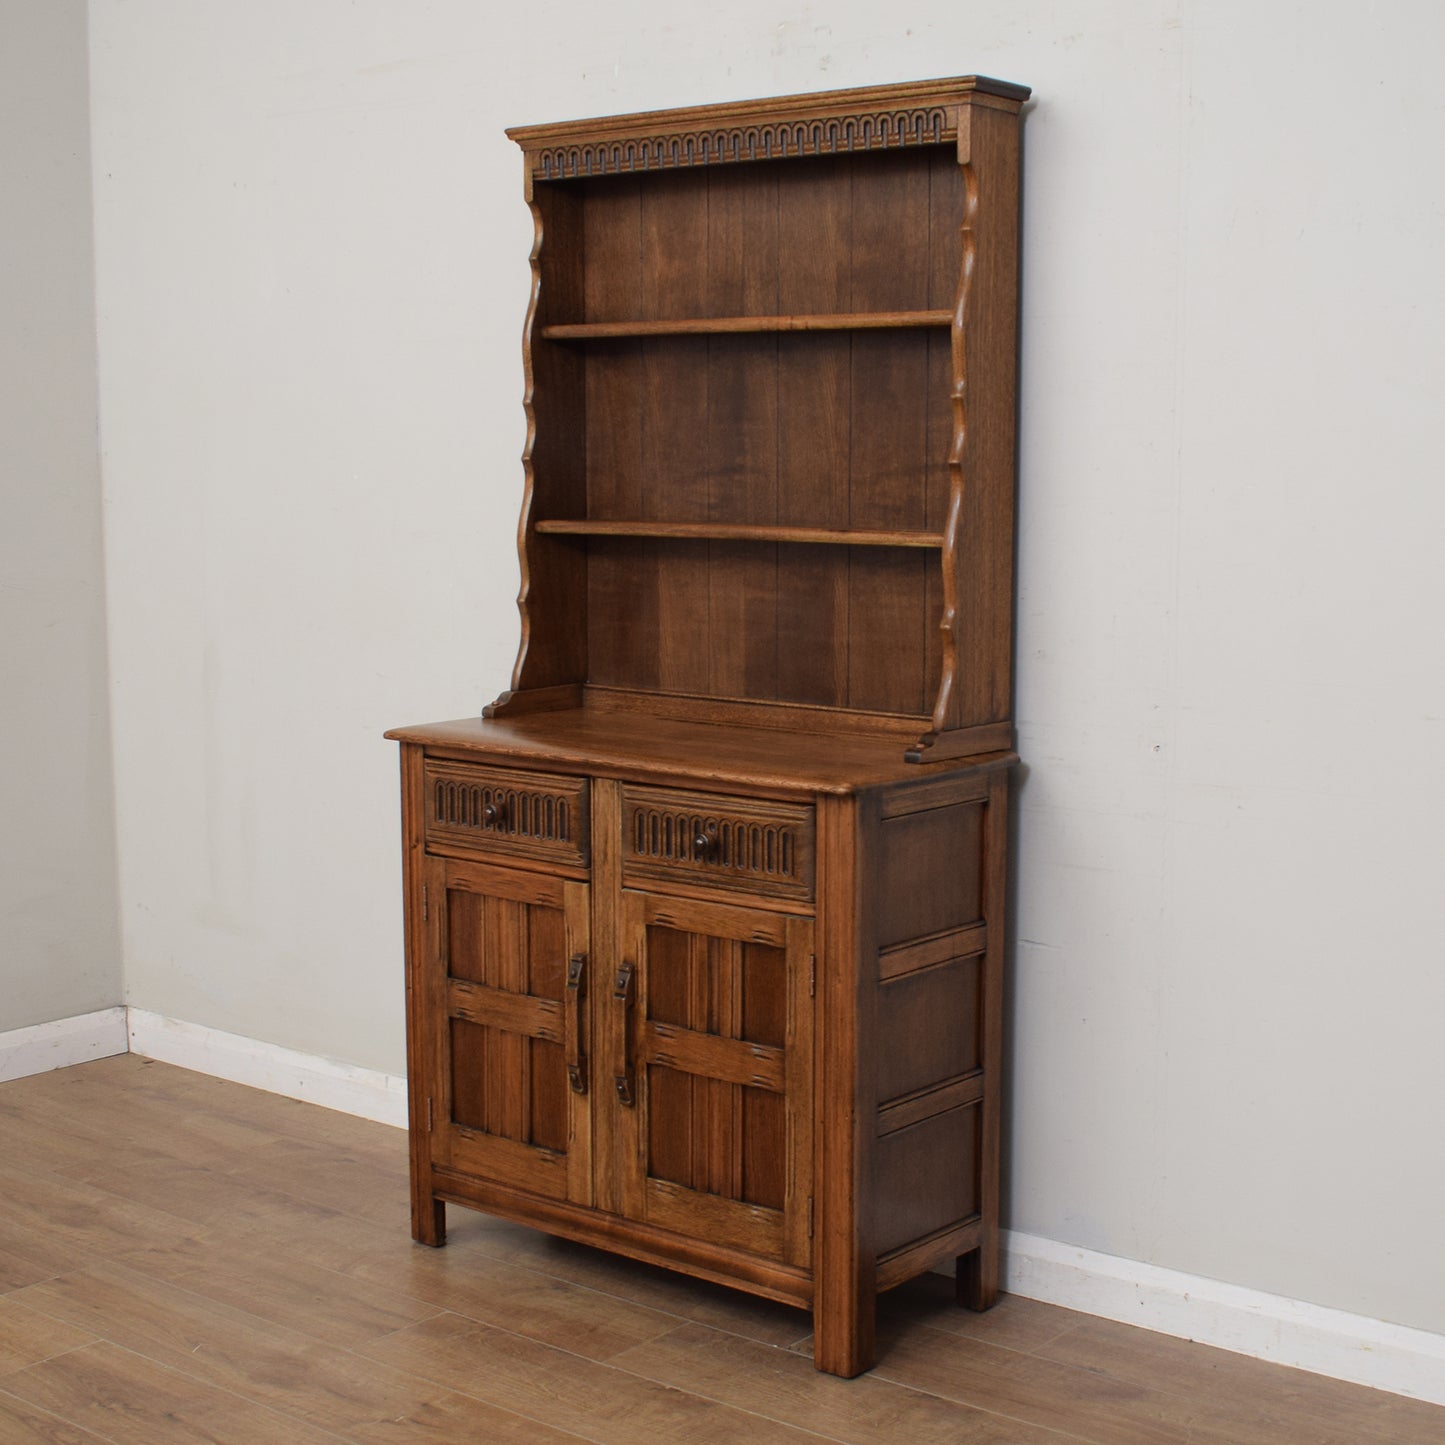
(705, 915)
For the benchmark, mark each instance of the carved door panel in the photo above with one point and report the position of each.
(712, 1079)
(510, 1073)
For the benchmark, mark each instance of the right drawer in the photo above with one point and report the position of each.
(746, 845)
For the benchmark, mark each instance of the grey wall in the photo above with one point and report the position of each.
(59, 944)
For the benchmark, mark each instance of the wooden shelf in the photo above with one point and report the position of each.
(714, 325)
(741, 532)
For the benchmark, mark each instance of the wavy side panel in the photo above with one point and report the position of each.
(529, 483)
(975, 691)
(957, 455)
(550, 600)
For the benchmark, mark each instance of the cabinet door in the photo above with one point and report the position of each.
(712, 1079)
(509, 1068)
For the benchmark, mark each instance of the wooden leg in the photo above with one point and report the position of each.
(976, 1278)
(429, 1220)
(843, 1342)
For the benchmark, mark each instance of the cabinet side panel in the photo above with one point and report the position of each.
(946, 195)
(932, 1172)
(932, 871)
(986, 363)
(935, 985)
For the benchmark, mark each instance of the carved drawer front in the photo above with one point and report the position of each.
(742, 844)
(495, 811)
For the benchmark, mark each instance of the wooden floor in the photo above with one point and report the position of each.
(185, 1259)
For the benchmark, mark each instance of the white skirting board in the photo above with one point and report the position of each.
(1247, 1321)
(77, 1040)
(1231, 1317)
(348, 1088)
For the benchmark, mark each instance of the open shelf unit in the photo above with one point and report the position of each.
(770, 391)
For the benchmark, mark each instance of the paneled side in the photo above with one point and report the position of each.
(932, 872)
(932, 1173)
(931, 999)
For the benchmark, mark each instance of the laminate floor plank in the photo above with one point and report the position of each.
(330, 1388)
(126, 1398)
(69, 1217)
(592, 1400)
(1015, 1322)
(183, 1258)
(466, 1281)
(27, 1337)
(1282, 1400)
(783, 1385)
(660, 1289)
(25, 1424)
(1093, 1404)
(173, 1091)
(285, 1289)
(352, 1182)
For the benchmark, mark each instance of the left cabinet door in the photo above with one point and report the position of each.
(506, 981)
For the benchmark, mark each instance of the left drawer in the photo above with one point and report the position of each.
(492, 812)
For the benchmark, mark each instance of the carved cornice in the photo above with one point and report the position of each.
(778, 140)
(883, 117)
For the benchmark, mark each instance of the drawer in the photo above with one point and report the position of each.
(747, 845)
(501, 811)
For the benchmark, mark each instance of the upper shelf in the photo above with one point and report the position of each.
(742, 532)
(713, 325)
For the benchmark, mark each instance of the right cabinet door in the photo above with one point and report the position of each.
(713, 1071)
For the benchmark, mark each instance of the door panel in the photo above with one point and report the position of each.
(718, 1059)
(509, 956)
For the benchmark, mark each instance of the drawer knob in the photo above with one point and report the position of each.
(494, 814)
(702, 845)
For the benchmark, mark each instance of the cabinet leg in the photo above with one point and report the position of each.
(843, 1342)
(976, 1278)
(429, 1221)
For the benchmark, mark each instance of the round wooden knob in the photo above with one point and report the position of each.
(494, 814)
(702, 845)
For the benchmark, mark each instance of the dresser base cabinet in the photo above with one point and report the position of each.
(755, 1038)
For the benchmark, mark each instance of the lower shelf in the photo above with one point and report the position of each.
(741, 532)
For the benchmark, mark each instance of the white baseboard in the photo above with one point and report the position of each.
(77, 1040)
(1247, 1321)
(348, 1088)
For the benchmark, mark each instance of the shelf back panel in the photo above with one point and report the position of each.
(838, 627)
